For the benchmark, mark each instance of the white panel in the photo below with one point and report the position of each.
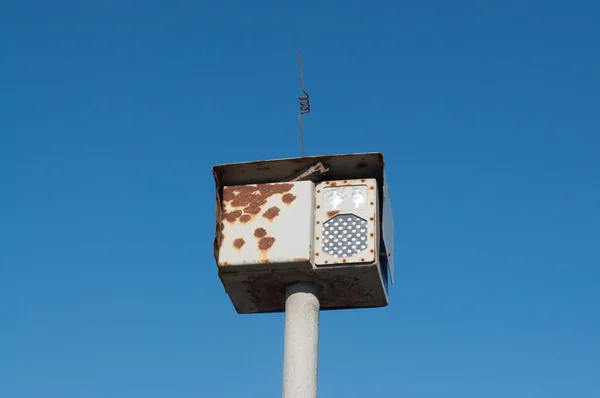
(346, 226)
(268, 224)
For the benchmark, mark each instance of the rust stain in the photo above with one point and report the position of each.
(224, 264)
(371, 234)
(372, 219)
(228, 194)
(363, 180)
(345, 181)
(344, 260)
(271, 213)
(372, 203)
(333, 213)
(253, 209)
(317, 254)
(372, 251)
(266, 243)
(318, 191)
(318, 238)
(245, 218)
(239, 243)
(326, 262)
(288, 198)
(318, 206)
(299, 260)
(372, 188)
(318, 222)
(333, 184)
(260, 232)
(362, 260)
(252, 198)
(231, 217)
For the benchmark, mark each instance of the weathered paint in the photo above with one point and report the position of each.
(256, 279)
(340, 287)
(266, 237)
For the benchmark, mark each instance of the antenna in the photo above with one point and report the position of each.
(304, 104)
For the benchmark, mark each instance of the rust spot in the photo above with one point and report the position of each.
(345, 181)
(372, 188)
(361, 165)
(253, 209)
(344, 260)
(318, 191)
(260, 232)
(333, 213)
(372, 251)
(326, 262)
(318, 206)
(372, 203)
(372, 234)
(288, 198)
(245, 218)
(372, 219)
(362, 260)
(252, 198)
(231, 217)
(228, 194)
(333, 183)
(318, 222)
(363, 180)
(271, 213)
(318, 238)
(316, 254)
(238, 243)
(266, 243)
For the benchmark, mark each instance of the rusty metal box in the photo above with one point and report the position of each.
(278, 223)
(267, 226)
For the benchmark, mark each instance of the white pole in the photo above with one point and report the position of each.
(301, 342)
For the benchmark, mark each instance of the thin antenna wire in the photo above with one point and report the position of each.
(304, 104)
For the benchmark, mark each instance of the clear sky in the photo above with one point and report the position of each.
(112, 113)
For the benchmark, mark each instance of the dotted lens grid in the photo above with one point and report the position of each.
(345, 235)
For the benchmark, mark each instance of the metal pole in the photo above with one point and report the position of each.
(301, 342)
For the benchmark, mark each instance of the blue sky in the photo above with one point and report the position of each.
(113, 112)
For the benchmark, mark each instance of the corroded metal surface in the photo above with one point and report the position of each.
(265, 232)
(256, 221)
(339, 288)
(339, 167)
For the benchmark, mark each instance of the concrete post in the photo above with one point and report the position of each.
(301, 342)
